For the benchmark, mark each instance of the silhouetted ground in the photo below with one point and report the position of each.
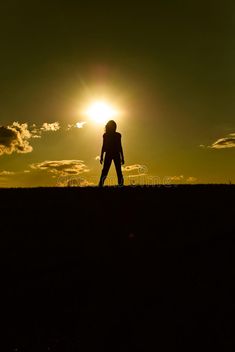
(118, 269)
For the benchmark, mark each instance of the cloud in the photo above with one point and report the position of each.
(6, 173)
(73, 181)
(181, 178)
(55, 126)
(36, 132)
(142, 169)
(191, 179)
(226, 142)
(79, 124)
(62, 167)
(136, 175)
(14, 138)
(175, 178)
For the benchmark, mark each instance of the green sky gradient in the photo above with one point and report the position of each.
(169, 64)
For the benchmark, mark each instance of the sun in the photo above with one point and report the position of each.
(100, 112)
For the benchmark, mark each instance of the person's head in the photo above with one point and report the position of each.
(110, 126)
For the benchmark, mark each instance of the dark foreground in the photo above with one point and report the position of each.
(131, 269)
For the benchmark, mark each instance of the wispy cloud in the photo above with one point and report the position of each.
(191, 179)
(79, 124)
(6, 173)
(36, 132)
(176, 178)
(5, 177)
(73, 181)
(54, 126)
(228, 142)
(61, 167)
(222, 143)
(181, 179)
(141, 169)
(15, 138)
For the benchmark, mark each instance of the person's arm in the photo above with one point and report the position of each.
(102, 155)
(121, 152)
(102, 151)
(122, 156)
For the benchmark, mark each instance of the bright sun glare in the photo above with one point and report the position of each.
(101, 111)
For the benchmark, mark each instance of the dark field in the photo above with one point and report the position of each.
(130, 269)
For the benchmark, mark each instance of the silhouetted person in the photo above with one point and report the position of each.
(112, 147)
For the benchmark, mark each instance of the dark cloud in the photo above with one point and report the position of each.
(14, 138)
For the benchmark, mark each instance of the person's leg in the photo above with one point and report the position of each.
(117, 162)
(105, 170)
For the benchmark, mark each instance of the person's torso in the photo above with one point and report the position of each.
(112, 142)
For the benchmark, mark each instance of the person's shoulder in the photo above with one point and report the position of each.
(104, 135)
(118, 134)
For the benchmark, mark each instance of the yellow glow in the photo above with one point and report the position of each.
(101, 111)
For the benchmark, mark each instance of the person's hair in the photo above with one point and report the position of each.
(110, 126)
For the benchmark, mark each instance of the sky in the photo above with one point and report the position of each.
(166, 67)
